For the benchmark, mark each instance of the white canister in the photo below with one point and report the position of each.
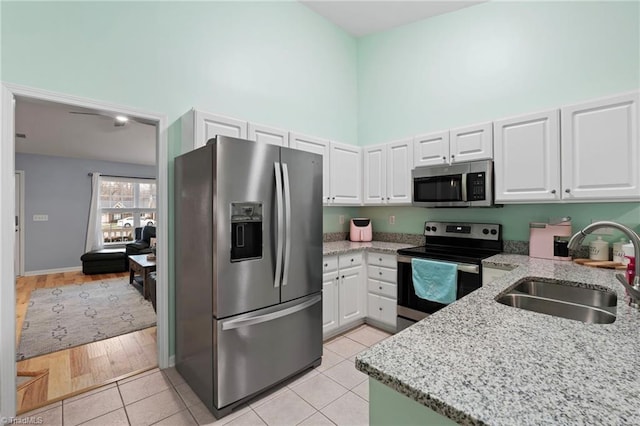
(599, 249)
(618, 253)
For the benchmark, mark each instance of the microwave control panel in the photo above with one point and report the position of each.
(476, 186)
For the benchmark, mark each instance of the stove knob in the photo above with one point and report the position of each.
(485, 231)
(494, 232)
(434, 229)
(428, 228)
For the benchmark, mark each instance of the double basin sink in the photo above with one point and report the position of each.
(564, 299)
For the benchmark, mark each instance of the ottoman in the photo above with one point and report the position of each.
(104, 261)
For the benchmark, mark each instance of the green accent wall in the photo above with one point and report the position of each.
(490, 61)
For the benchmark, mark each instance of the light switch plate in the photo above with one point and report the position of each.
(40, 217)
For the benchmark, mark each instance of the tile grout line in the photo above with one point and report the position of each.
(124, 407)
(184, 401)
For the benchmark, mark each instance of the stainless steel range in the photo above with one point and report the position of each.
(465, 244)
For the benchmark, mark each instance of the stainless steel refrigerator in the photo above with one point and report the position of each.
(248, 253)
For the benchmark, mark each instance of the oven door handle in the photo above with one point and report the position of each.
(462, 267)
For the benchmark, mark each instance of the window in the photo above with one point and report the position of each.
(125, 204)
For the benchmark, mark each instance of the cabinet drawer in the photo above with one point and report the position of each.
(329, 264)
(382, 259)
(350, 259)
(383, 274)
(383, 288)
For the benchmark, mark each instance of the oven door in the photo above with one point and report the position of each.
(412, 308)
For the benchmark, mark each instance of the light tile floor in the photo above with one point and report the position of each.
(334, 393)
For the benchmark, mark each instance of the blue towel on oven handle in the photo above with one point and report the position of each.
(435, 281)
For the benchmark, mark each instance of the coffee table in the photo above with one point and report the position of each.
(139, 264)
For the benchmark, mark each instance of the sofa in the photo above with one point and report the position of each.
(104, 261)
(142, 243)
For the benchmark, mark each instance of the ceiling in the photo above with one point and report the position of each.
(367, 17)
(50, 129)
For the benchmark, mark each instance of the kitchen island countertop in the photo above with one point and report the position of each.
(340, 247)
(480, 362)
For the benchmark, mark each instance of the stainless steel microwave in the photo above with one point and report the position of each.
(457, 185)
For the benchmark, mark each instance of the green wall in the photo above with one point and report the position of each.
(275, 63)
(491, 61)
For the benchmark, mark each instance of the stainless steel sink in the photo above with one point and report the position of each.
(562, 299)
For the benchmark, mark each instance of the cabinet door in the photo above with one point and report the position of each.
(431, 149)
(318, 146)
(208, 126)
(352, 294)
(373, 306)
(600, 155)
(471, 143)
(527, 158)
(399, 164)
(387, 310)
(266, 134)
(330, 314)
(375, 176)
(346, 174)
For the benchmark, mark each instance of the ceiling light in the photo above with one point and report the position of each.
(121, 119)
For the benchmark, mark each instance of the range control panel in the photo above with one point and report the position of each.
(479, 231)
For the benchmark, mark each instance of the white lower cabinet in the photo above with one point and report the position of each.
(382, 290)
(343, 292)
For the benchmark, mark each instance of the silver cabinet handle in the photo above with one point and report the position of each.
(553, 191)
(246, 322)
(280, 220)
(567, 190)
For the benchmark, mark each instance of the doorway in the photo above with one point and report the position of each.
(7, 215)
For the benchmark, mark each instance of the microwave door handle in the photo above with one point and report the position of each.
(463, 184)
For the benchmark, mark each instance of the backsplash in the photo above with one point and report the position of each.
(510, 247)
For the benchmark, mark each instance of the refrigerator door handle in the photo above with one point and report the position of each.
(276, 280)
(246, 322)
(287, 221)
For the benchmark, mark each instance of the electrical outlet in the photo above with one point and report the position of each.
(40, 217)
(341, 219)
(392, 220)
(601, 231)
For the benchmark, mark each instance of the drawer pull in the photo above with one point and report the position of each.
(380, 287)
(380, 309)
(380, 273)
(380, 259)
(352, 260)
(326, 264)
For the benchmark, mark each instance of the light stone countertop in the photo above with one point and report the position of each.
(340, 247)
(480, 362)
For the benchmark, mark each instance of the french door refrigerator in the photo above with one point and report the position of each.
(248, 254)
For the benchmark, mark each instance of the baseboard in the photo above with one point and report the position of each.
(53, 271)
(172, 361)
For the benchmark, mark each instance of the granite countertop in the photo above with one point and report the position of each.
(480, 362)
(339, 247)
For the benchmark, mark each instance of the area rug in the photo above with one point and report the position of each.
(72, 315)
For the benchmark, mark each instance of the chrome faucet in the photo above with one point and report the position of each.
(633, 288)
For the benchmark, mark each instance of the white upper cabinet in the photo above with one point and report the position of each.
(375, 174)
(267, 134)
(467, 143)
(471, 143)
(346, 174)
(399, 161)
(600, 156)
(199, 126)
(527, 157)
(387, 173)
(431, 149)
(318, 146)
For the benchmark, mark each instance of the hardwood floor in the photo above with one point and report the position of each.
(78, 369)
